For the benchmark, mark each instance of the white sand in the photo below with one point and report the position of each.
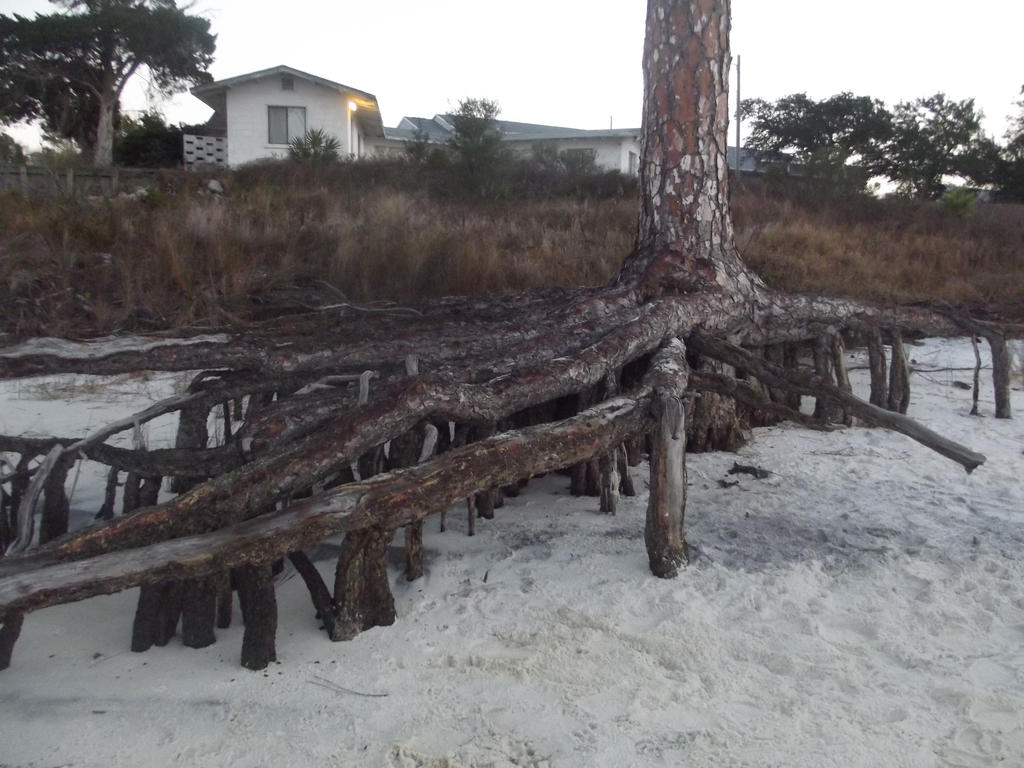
(863, 606)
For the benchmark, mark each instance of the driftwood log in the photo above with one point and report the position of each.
(457, 399)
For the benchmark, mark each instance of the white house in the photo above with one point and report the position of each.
(255, 115)
(611, 150)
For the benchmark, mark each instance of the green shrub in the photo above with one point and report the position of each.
(959, 201)
(148, 142)
(315, 146)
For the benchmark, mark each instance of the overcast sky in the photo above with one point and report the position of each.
(577, 62)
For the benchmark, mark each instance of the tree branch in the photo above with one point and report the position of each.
(388, 501)
(776, 376)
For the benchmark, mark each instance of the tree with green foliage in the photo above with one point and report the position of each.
(69, 69)
(148, 142)
(1009, 172)
(66, 110)
(476, 145)
(418, 149)
(833, 137)
(11, 152)
(932, 138)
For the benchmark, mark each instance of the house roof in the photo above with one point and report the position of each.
(368, 112)
(440, 128)
(427, 126)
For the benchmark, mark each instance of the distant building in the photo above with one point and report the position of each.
(611, 150)
(757, 161)
(256, 114)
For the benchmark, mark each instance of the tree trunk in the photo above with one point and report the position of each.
(156, 615)
(899, 376)
(192, 434)
(1000, 359)
(876, 366)
(684, 237)
(626, 487)
(976, 387)
(362, 590)
(103, 153)
(666, 505)
(225, 599)
(259, 612)
(609, 465)
(713, 422)
(791, 360)
(106, 511)
(9, 632)
(326, 609)
(1000, 374)
(414, 551)
(199, 612)
(471, 515)
(841, 375)
(823, 411)
(56, 507)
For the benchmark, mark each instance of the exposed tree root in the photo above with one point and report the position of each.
(471, 396)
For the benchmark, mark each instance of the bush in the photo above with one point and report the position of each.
(959, 201)
(315, 146)
(148, 142)
(10, 151)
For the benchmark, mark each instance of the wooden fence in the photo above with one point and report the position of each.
(42, 181)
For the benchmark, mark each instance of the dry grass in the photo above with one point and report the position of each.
(888, 251)
(182, 257)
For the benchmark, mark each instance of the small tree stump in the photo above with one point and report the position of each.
(899, 376)
(1000, 374)
(193, 434)
(626, 487)
(225, 600)
(9, 632)
(877, 367)
(198, 612)
(106, 511)
(259, 612)
(156, 615)
(362, 591)
(326, 609)
(663, 532)
(838, 351)
(56, 508)
(823, 409)
(791, 360)
(414, 551)
(609, 467)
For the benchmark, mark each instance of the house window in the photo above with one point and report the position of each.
(579, 160)
(287, 83)
(581, 155)
(285, 124)
(634, 163)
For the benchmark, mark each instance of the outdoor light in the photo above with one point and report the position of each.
(352, 106)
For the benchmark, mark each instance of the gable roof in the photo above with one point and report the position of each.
(427, 126)
(368, 112)
(440, 128)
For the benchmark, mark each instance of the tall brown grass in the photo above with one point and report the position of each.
(184, 257)
(886, 251)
